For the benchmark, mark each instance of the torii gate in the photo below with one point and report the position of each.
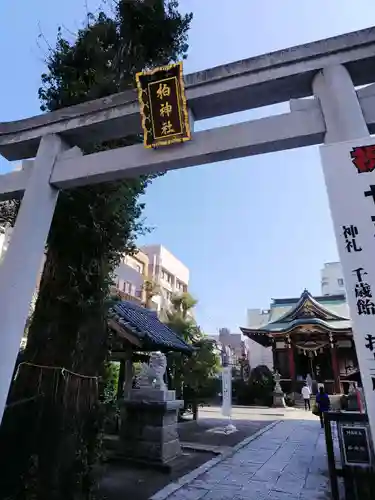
(329, 70)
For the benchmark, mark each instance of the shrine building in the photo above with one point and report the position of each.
(309, 336)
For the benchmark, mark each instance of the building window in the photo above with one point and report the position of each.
(340, 282)
(168, 294)
(138, 268)
(128, 287)
(181, 287)
(166, 276)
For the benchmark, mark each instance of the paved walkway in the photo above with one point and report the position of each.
(287, 462)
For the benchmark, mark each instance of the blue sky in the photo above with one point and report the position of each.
(250, 229)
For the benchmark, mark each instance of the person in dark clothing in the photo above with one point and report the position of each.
(323, 403)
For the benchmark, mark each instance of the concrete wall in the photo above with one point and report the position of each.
(259, 355)
(332, 280)
(131, 274)
(163, 259)
(129, 280)
(168, 272)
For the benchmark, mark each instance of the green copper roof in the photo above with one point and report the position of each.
(331, 312)
(339, 308)
(278, 327)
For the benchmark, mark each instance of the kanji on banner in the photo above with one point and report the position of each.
(349, 171)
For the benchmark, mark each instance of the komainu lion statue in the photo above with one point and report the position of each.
(152, 374)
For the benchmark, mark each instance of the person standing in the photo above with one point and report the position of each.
(309, 382)
(323, 403)
(306, 394)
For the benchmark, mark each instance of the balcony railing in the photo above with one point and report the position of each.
(127, 296)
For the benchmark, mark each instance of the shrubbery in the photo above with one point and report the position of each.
(257, 390)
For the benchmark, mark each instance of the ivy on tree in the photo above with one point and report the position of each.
(92, 228)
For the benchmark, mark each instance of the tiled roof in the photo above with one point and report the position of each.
(335, 304)
(278, 327)
(145, 325)
(330, 312)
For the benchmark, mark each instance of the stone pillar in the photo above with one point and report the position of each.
(344, 120)
(20, 268)
(342, 112)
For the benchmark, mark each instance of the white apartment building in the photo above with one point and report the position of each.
(259, 355)
(152, 262)
(332, 280)
(130, 276)
(168, 272)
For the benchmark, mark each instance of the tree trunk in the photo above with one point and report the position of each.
(59, 409)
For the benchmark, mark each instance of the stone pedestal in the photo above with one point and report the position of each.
(148, 432)
(278, 400)
(278, 394)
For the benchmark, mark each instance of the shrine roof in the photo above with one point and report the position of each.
(335, 304)
(142, 328)
(329, 312)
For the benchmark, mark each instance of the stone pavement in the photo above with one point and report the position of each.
(287, 462)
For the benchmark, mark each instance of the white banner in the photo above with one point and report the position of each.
(349, 170)
(226, 380)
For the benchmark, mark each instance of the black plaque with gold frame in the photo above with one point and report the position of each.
(163, 107)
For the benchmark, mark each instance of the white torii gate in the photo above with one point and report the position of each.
(328, 70)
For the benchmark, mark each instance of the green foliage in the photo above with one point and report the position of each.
(257, 390)
(190, 376)
(203, 365)
(110, 381)
(182, 304)
(108, 397)
(151, 289)
(106, 54)
(261, 384)
(92, 228)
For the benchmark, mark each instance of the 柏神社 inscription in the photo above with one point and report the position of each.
(164, 113)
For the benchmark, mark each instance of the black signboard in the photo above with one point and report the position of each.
(164, 113)
(355, 445)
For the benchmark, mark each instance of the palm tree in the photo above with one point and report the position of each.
(188, 375)
(151, 289)
(183, 304)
